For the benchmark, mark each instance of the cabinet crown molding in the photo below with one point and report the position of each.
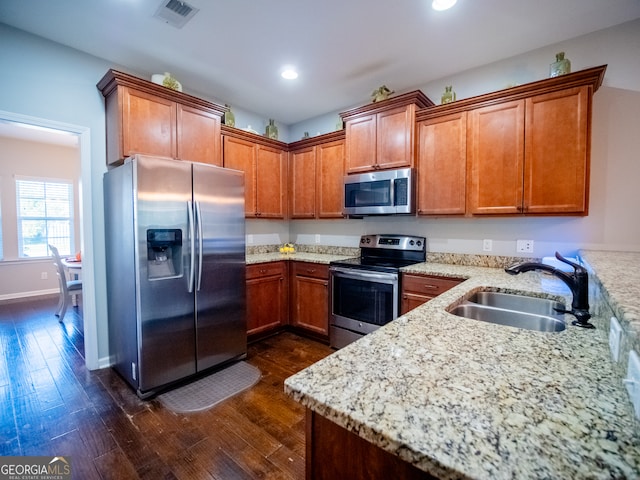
(592, 77)
(115, 78)
(416, 97)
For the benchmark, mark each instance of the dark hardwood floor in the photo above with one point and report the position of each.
(52, 405)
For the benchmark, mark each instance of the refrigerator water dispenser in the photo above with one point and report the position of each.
(164, 253)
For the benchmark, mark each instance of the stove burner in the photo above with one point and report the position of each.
(387, 253)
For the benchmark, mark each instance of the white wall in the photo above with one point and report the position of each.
(45, 80)
(21, 157)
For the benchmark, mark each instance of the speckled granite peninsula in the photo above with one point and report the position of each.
(458, 398)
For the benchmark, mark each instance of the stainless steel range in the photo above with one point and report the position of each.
(365, 291)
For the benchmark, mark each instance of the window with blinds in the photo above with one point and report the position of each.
(45, 216)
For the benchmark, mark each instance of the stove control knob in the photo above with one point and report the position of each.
(411, 242)
(419, 243)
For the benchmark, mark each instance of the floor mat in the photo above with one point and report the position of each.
(206, 392)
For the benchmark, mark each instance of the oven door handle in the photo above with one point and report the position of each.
(362, 275)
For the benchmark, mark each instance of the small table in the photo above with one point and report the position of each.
(74, 270)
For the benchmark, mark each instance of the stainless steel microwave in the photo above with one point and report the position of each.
(384, 192)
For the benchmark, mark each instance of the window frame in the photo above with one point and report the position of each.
(49, 238)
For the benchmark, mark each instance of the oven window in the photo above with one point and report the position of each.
(364, 300)
(368, 194)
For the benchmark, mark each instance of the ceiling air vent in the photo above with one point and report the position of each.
(175, 12)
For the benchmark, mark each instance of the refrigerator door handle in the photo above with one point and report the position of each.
(192, 245)
(200, 244)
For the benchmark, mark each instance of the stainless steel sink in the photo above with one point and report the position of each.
(519, 311)
(519, 303)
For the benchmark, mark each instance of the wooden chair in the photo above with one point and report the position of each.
(67, 287)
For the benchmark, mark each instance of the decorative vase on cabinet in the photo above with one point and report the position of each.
(561, 66)
(448, 96)
(229, 117)
(272, 130)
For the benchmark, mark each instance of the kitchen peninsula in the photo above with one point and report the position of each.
(448, 397)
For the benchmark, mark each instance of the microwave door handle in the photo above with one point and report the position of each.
(392, 191)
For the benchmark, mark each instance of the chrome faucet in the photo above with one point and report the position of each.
(578, 282)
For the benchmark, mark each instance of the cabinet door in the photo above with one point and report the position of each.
(198, 134)
(418, 289)
(442, 165)
(330, 176)
(266, 297)
(270, 182)
(495, 140)
(395, 130)
(361, 144)
(148, 124)
(557, 152)
(302, 173)
(240, 155)
(310, 297)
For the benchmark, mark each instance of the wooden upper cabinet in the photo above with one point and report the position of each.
(530, 156)
(302, 173)
(442, 164)
(148, 124)
(395, 132)
(381, 135)
(330, 179)
(361, 146)
(495, 142)
(239, 154)
(264, 164)
(527, 149)
(270, 182)
(150, 119)
(556, 156)
(316, 173)
(198, 135)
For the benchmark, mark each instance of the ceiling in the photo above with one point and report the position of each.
(232, 51)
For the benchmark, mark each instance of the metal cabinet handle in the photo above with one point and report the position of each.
(430, 287)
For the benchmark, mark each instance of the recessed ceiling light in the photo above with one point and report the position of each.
(289, 73)
(443, 4)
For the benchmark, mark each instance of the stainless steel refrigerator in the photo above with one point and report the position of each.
(175, 251)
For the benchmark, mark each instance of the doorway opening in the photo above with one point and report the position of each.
(51, 130)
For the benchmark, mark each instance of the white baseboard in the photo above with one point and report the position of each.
(37, 293)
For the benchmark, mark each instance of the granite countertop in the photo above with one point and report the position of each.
(459, 398)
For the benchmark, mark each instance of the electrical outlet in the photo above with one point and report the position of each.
(317, 238)
(524, 246)
(249, 238)
(615, 330)
(44, 276)
(632, 381)
(487, 245)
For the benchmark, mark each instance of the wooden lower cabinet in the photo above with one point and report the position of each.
(333, 452)
(310, 298)
(418, 289)
(267, 297)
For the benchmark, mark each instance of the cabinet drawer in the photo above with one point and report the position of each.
(427, 284)
(308, 269)
(266, 270)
